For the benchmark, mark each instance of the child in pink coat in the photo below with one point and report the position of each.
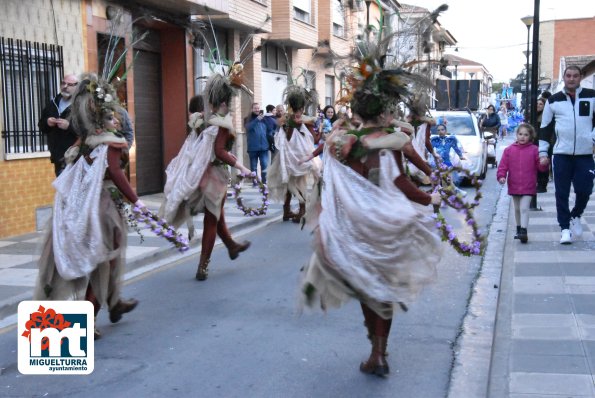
(519, 164)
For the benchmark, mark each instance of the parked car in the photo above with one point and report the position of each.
(464, 125)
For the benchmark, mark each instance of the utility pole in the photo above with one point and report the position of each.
(535, 62)
(535, 81)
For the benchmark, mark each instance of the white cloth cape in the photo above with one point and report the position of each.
(185, 171)
(292, 154)
(288, 172)
(77, 236)
(374, 242)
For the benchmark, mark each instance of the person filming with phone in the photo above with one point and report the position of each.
(258, 144)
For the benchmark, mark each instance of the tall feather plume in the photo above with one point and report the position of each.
(118, 30)
(379, 80)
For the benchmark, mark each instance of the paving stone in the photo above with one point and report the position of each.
(539, 284)
(566, 254)
(579, 269)
(551, 383)
(546, 333)
(583, 303)
(532, 269)
(544, 320)
(7, 292)
(547, 347)
(10, 260)
(542, 304)
(567, 364)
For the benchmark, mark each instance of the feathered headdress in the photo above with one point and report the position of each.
(377, 81)
(231, 71)
(94, 99)
(96, 96)
(297, 96)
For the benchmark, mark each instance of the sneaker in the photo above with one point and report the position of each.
(576, 227)
(566, 237)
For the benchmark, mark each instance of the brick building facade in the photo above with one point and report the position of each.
(561, 39)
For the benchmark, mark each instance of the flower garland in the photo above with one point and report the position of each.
(134, 214)
(262, 188)
(442, 182)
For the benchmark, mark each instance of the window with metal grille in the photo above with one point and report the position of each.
(29, 76)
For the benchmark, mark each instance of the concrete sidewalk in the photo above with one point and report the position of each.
(19, 254)
(544, 341)
(530, 326)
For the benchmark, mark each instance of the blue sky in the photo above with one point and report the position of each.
(491, 32)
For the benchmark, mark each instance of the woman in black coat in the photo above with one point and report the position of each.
(492, 120)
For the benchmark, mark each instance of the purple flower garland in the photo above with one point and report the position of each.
(160, 227)
(153, 222)
(262, 188)
(441, 180)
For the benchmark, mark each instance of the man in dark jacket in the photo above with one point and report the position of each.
(258, 144)
(271, 121)
(55, 125)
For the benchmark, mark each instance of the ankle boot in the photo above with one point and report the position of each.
(121, 307)
(287, 214)
(376, 363)
(518, 231)
(202, 273)
(523, 235)
(302, 211)
(235, 249)
(370, 333)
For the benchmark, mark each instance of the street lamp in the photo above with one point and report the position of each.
(456, 63)
(528, 21)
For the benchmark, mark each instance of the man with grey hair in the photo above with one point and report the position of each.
(54, 123)
(570, 116)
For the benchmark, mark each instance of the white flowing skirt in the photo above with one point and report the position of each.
(370, 243)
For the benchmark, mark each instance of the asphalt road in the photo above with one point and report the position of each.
(240, 334)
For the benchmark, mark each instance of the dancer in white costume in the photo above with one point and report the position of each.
(198, 177)
(419, 130)
(288, 173)
(374, 239)
(85, 246)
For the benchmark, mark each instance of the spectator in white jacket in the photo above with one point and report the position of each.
(570, 115)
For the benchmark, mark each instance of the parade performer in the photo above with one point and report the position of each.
(86, 242)
(197, 179)
(288, 174)
(420, 132)
(374, 239)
